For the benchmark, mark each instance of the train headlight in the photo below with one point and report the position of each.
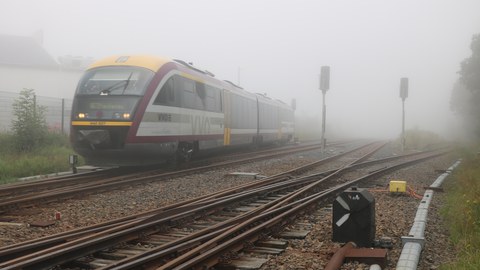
(118, 115)
(82, 115)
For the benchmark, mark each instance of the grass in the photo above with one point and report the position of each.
(50, 158)
(462, 212)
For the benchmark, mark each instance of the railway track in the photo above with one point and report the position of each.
(200, 231)
(280, 176)
(50, 190)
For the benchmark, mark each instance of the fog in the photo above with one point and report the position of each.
(277, 47)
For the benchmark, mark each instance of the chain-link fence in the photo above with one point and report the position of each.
(57, 111)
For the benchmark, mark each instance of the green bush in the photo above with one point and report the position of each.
(29, 124)
(7, 143)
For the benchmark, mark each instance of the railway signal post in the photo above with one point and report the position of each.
(403, 95)
(324, 86)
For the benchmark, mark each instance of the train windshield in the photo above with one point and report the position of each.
(115, 81)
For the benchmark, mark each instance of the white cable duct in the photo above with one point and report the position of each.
(414, 242)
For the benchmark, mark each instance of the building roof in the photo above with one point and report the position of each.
(24, 51)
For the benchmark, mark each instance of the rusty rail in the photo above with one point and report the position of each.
(103, 239)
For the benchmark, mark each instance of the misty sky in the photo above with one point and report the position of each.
(277, 47)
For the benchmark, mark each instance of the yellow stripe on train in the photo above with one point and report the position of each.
(150, 62)
(101, 123)
(226, 136)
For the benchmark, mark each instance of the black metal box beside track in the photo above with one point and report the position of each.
(354, 217)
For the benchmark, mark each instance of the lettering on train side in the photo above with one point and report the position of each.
(164, 117)
(200, 124)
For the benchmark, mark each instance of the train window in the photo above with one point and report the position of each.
(210, 92)
(212, 99)
(167, 94)
(243, 112)
(187, 88)
(200, 99)
(201, 91)
(184, 92)
(268, 116)
(188, 85)
(115, 81)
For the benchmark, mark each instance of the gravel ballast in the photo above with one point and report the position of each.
(394, 214)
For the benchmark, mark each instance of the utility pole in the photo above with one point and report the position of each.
(324, 86)
(403, 95)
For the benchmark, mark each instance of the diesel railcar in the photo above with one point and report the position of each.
(140, 110)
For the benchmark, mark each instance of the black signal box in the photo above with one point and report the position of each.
(404, 88)
(354, 217)
(325, 78)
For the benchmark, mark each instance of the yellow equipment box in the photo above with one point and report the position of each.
(398, 186)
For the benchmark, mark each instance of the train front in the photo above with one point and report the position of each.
(103, 110)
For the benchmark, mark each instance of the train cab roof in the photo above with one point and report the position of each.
(153, 63)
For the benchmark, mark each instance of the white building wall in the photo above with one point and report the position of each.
(46, 82)
(53, 87)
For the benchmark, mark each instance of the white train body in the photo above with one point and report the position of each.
(133, 110)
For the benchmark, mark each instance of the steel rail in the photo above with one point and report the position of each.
(131, 262)
(208, 253)
(192, 202)
(20, 249)
(185, 241)
(167, 215)
(35, 185)
(108, 184)
(59, 181)
(109, 232)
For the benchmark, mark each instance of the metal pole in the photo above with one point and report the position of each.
(324, 112)
(324, 86)
(63, 115)
(403, 125)
(403, 95)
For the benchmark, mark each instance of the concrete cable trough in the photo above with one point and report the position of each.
(414, 242)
